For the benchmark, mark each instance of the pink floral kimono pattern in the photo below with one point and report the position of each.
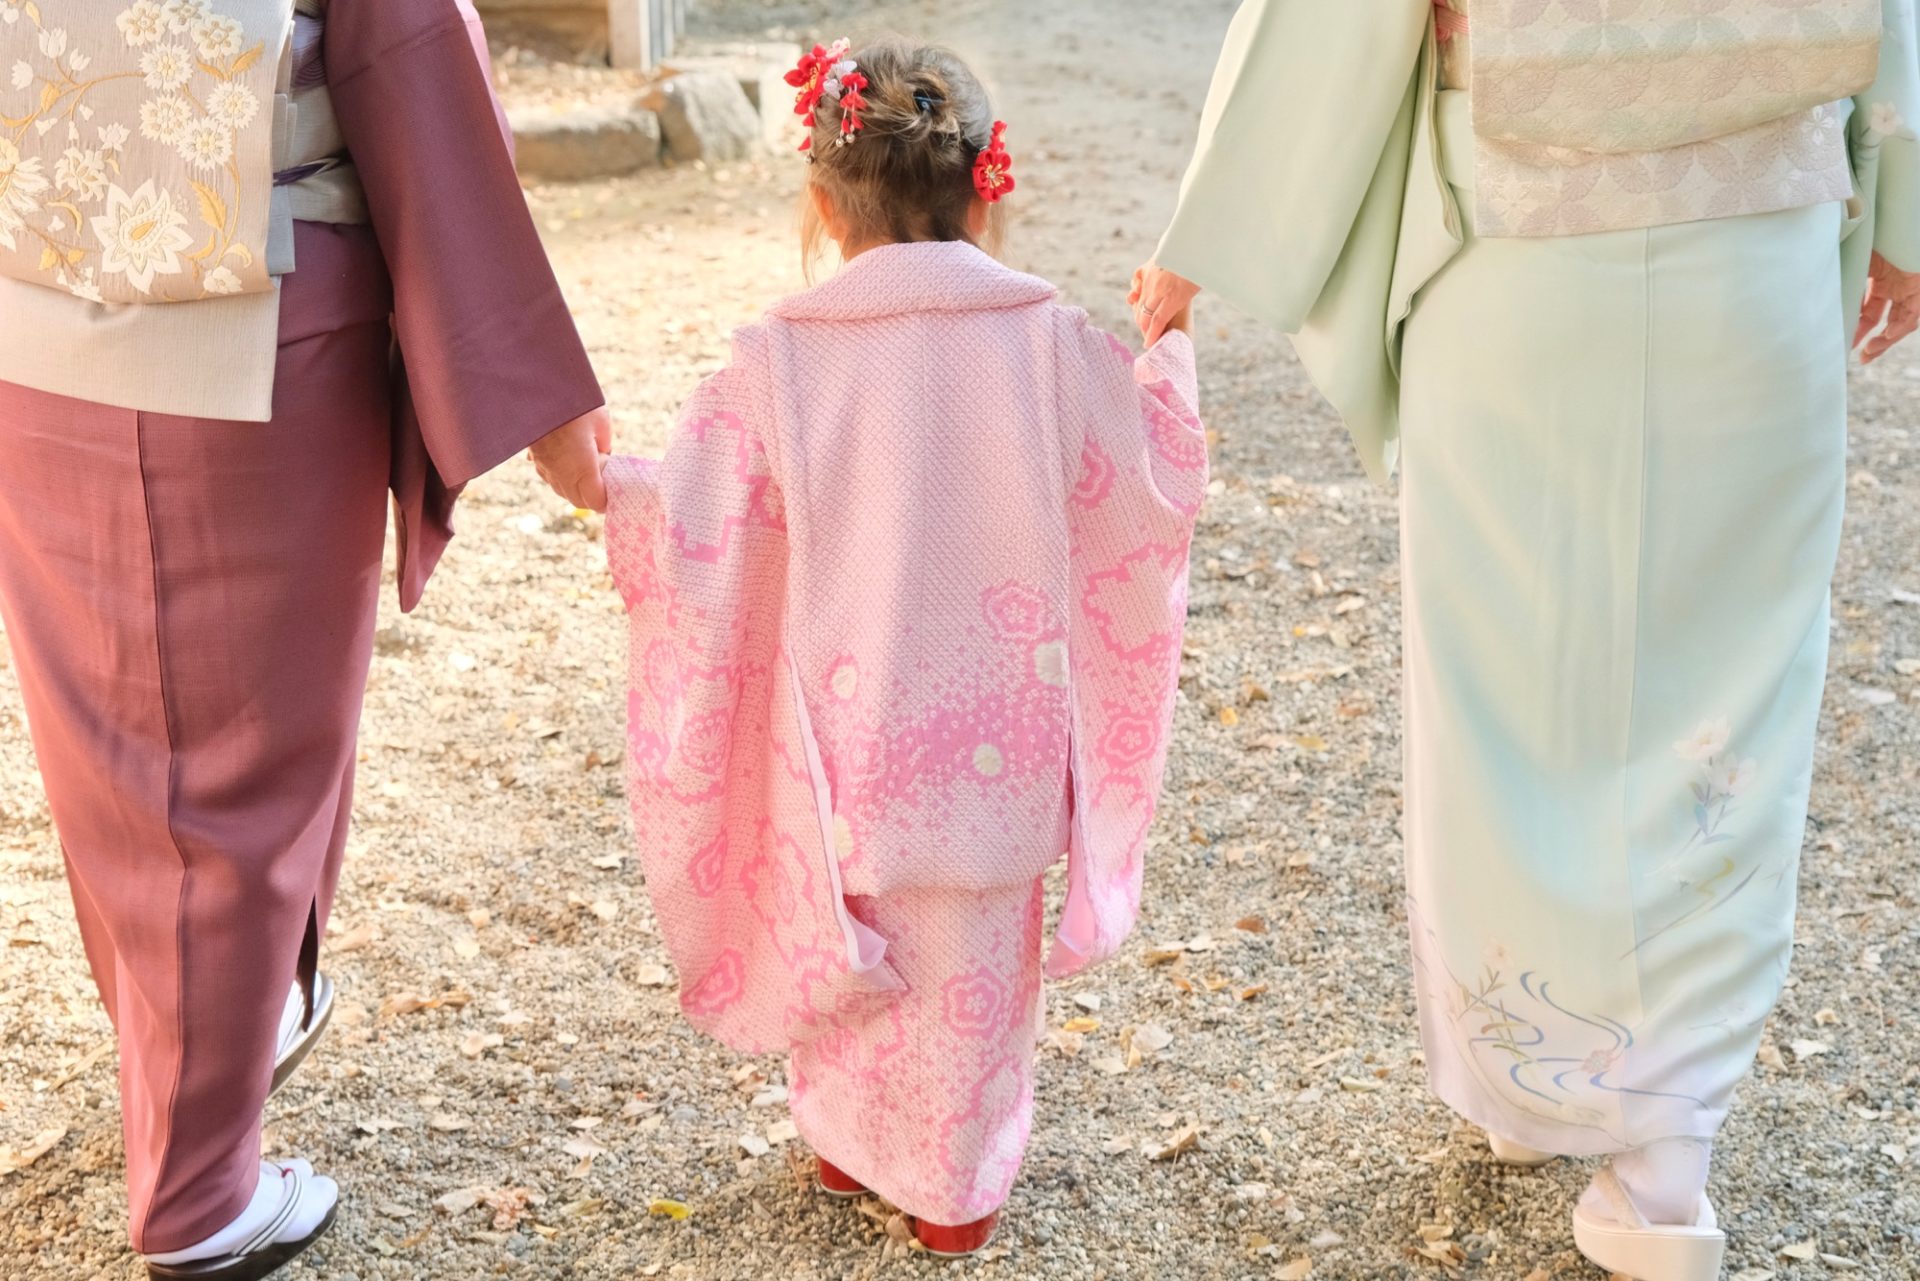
(906, 599)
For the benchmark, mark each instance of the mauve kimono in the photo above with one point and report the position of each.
(906, 598)
(191, 603)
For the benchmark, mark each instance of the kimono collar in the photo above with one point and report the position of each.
(893, 280)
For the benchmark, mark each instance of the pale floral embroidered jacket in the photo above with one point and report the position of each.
(906, 599)
(137, 147)
(1601, 118)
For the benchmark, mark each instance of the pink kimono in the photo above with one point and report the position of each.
(906, 599)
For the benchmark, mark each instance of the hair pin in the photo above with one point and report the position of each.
(828, 73)
(993, 167)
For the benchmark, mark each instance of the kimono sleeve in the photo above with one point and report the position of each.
(728, 824)
(493, 360)
(1303, 103)
(1885, 142)
(1141, 478)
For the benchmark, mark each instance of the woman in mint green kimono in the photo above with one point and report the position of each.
(1602, 329)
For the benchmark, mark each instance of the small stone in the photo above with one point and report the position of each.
(704, 115)
(585, 143)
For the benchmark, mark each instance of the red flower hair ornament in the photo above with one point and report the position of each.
(828, 73)
(993, 167)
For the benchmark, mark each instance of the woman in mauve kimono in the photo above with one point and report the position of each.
(192, 505)
(906, 597)
(1602, 318)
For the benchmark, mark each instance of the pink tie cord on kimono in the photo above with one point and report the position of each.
(1449, 24)
(906, 599)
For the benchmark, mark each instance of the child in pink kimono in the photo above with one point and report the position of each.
(906, 598)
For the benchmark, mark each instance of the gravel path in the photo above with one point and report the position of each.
(508, 1089)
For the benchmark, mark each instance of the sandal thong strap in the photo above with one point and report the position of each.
(261, 1255)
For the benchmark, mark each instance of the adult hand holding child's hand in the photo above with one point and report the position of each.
(570, 459)
(1161, 301)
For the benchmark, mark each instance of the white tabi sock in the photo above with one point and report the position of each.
(1666, 1180)
(269, 1195)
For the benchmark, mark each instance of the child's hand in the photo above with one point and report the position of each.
(570, 457)
(1161, 301)
(1893, 299)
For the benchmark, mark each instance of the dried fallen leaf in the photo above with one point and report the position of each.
(1358, 1085)
(1251, 925)
(461, 1200)
(1248, 993)
(754, 1145)
(1295, 1270)
(1184, 1141)
(1087, 1001)
(666, 1209)
(1801, 1250)
(1082, 1025)
(447, 1123)
(653, 976)
(354, 939)
(606, 909)
(1803, 1050)
(1164, 955)
(1151, 1038)
(12, 1162)
(474, 1044)
(1229, 717)
(781, 1132)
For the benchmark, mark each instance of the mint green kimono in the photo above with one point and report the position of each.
(1622, 461)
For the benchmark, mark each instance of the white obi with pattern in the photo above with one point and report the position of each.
(1605, 115)
(159, 151)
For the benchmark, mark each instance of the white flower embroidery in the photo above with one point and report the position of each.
(165, 119)
(85, 287)
(141, 234)
(1735, 777)
(142, 24)
(167, 67)
(987, 760)
(22, 75)
(80, 62)
(217, 37)
(9, 14)
(113, 137)
(21, 184)
(182, 14)
(1050, 663)
(54, 43)
(222, 281)
(84, 173)
(845, 680)
(207, 144)
(1707, 741)
(234, 104)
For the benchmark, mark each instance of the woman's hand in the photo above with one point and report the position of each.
(1161, 301)
(1893, 297)
(570, 457)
